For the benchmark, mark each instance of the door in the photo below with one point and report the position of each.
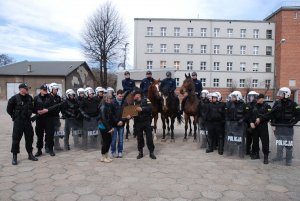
(12, 89)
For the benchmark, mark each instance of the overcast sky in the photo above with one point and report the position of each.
(51, 29)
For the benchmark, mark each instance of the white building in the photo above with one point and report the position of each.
(222, 52)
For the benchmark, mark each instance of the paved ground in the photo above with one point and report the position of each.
(181, 172)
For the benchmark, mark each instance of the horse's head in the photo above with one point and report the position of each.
(188, 85)
(154, 89)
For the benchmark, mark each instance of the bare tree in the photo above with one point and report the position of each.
(5, 59)
(111, 78)
(233, 86)
(103, 37)
(248, 85)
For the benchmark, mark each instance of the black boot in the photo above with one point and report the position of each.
(209, 150)
(255, 156)
(47, 149)
(152, 156)
(141, 155)
(266, 159)
(32, 157)
(38, 153)
(14, 160)
(51, 152)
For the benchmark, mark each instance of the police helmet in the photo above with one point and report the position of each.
(52, 86)
(204, 93)
(252, 96)
(219, 96)
(88, 91)
(79, 91)
(70, 92)
(284, 91)
(238, 95)
(99, 89)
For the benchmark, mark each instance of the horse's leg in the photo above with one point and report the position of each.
(127, 129)
(168, 125)
(163, 119)
(172, 129)
(195, 128)
(185, 126)
(155, 126)
(190, 123)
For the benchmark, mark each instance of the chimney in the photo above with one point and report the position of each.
(29, 68)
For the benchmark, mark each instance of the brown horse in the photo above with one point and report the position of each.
(191, 105)
(155, 98)
(129, 101)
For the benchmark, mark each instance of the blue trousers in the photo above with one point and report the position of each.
(118, 134)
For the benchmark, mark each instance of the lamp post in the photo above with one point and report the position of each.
(275, 66)
(125, 55)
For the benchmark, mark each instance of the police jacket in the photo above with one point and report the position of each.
(203, 107)
(236, 111)
(144, 86)
(198, 87)
(168, 85)
(57, 99)
(43, 102)
(215, 112)
(20, 107)
(285, 111)
(70, 109)
(107, 116)
(260, 111)
(118, 107)
(146, 114)
(90, 107)
(128, 84)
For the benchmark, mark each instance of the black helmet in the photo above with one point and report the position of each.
(168, 73)
(148, 72)
(126, 73)
(194, 74)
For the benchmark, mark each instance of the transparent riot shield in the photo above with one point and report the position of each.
(202, 134)
(77, 132)
(235, 139)
(91, 135)
(59, 133)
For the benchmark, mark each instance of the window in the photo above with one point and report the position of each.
(268, 67)
(216, 82)
(203, 80)
(176, 65)
(176, 48)
(255, 33)
(268, 50)
(163, 64)
(254, 83)
(216, 66)
(243, 49)
(163, 31)
(267, 84)
(242, 66)
(229, 33)
(163, 48)
(149, 31)
(176, 31)
(269, 34)
(203, 49)
(177, 82)
(255, 50)
(216, 49)
(243, 33)
(203, 32)
(202, 65)
(190, 48)
(229, 66)
(190, 32)
(292, 83)
(255, 67)
(149, 48)
(242, 83)
(189, 65)
(149, 64)
(295, 15)
(229, 49)
(216, 32)
(229, 83)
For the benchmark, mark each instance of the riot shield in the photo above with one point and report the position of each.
(91, 135)
(202, 134)
(235, 139)
(59, 133)
(77, 132)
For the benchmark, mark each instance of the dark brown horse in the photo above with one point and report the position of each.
(191, 105)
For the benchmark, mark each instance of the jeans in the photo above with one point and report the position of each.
(118, 134)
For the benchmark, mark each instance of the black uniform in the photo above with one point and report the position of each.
(202, 110)
(20, 109)
(249, 133)
(142, 124)
(261, 130)
(144, 86)
(56, 118)
(215, 119)
(45, 122)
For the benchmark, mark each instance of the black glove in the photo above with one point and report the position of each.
(241, 121)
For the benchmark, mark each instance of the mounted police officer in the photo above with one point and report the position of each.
(20, 108)
(128, 84)
(285, 113)
(259, 128)
(45, 122)
(146, 82)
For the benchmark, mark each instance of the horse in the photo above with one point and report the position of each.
(169, 112)
(128, 97)
(191, 105)
(155, 99)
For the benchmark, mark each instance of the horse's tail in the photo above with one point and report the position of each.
(179, 119)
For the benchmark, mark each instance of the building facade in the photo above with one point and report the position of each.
(226, 54)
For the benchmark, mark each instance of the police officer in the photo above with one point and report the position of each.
(128, 84)
(203, 107)
(215, 118)
(142, 124)
(285, 113)
(99, 94)
(20, 108)
(45, 122)
(146, 82)
(259, 128)
(80, 95)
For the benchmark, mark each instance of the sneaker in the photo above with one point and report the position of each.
(120, 155)
(114, 155)
(102, 158)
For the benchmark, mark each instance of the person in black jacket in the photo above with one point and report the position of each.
(107, 119)
(128, 84)
(146, 82)
(45, 122)
(20, 108)
(215, 118)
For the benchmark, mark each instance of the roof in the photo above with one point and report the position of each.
(41, 68)
(282, 9)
